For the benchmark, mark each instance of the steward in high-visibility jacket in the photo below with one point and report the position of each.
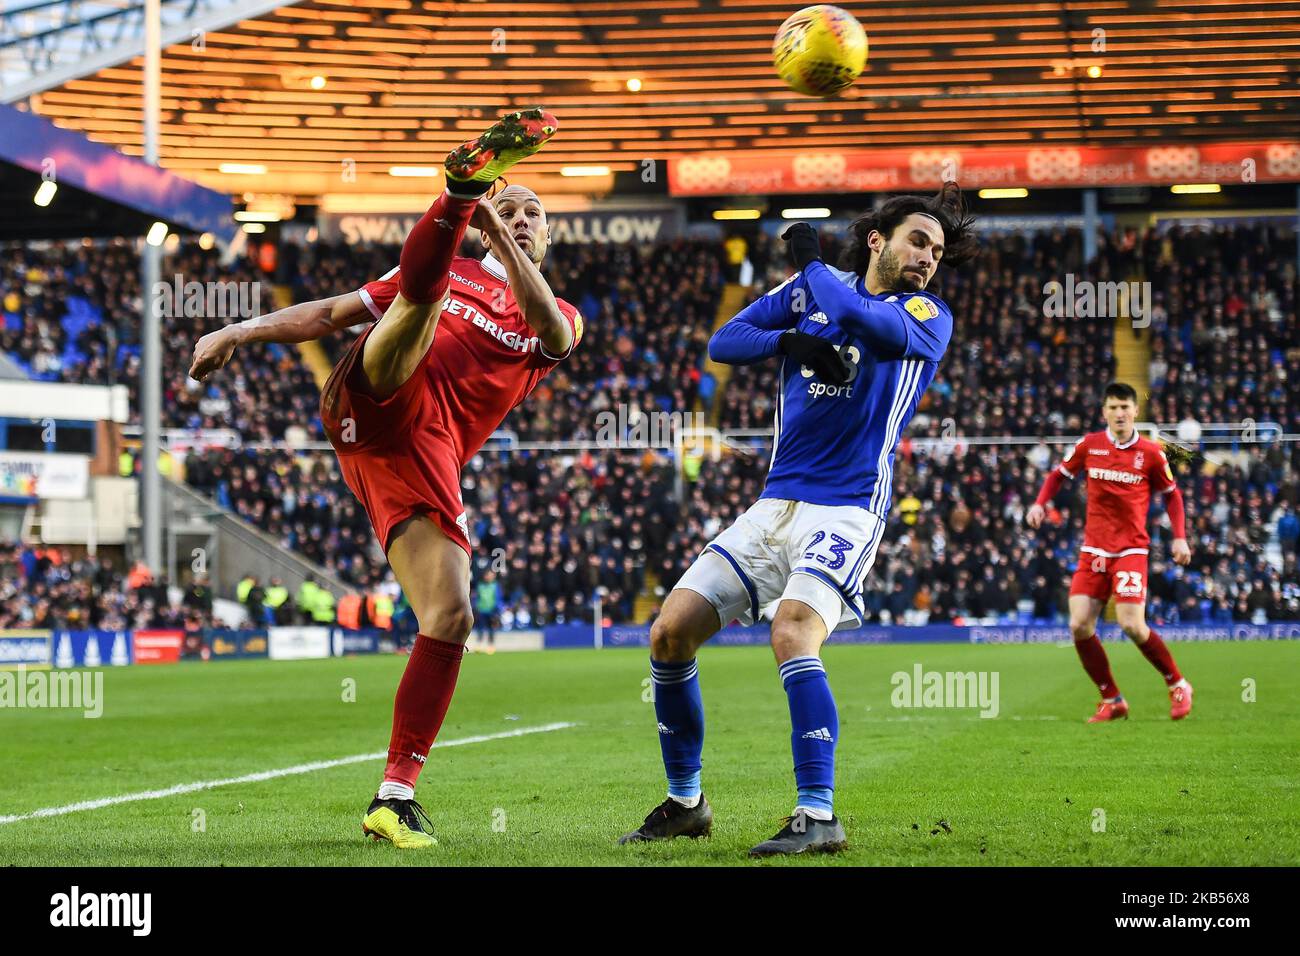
(276, 595)
(306, 599)
(349, 613)
(322, 611)
(380, 607)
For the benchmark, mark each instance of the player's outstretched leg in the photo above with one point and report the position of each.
(687, 621)
(1132, 618)
(433, 571)
(797, 635)
(399, 342)
(471, 169)
(1084, 611)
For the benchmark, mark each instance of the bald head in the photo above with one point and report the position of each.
(525, 218)
(516, 193)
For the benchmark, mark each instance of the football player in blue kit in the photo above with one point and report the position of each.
(858, 346)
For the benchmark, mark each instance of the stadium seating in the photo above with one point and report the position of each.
(554, 528)
(1224, 325)
(47, 588)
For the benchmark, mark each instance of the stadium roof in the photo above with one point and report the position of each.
(96, 191)
(44, 43)
(404, 80)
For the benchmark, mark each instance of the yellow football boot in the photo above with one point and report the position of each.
(474, 166)
(398, 822)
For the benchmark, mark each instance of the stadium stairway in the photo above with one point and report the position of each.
(313, 355)
(648, 599)
(232, 546)
(1132, 348)
(731, 302)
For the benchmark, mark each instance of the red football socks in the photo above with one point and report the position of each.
(430, 247)
(1154, 650)
(423, 696)
(1093, 656)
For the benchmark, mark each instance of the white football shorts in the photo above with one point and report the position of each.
(789, 550)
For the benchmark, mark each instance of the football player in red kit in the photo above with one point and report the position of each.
(1122, 469)
(455, 344)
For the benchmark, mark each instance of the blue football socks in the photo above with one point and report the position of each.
(815, 726)
(680, 712)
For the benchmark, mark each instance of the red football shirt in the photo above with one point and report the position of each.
(485, 359)
(1120, 481)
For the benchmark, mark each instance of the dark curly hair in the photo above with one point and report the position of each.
(948, 206)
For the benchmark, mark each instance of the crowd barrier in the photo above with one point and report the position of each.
(37, 648)
(583, 635)
(34, 648)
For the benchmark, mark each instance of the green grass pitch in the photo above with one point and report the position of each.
(914, 786)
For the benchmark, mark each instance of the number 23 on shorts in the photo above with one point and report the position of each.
(1129, 584)
(834, 558)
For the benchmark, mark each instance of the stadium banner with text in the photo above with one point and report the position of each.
(581, 635)
(32, 475)
(180, 440)
(160, 646)
(616, 226)
(1043, 167)
(984, 224)
(358, 227)
(19, 648)
(298, 643)
(364, 641)
(227, 644)
(92, 648)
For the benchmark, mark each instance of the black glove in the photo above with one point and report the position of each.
(803, 244)
(818, 354)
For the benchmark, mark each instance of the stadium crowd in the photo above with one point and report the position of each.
(552, 529)
(638, 360)
(71, 314)
(47, 588)
(1224, 334)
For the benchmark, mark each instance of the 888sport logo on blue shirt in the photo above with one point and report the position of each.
(819, 389)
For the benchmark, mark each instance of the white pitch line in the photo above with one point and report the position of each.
(264, 775)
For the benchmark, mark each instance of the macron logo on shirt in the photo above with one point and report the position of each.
(469, 282)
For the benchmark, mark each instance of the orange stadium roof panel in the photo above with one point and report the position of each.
(405, 79)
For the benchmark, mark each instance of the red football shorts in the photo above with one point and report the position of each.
(396, 455)
(1099, 577)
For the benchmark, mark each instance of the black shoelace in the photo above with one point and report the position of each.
(412, 814)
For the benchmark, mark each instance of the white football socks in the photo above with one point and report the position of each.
(688, 802)
(389, 790)
(814, 813)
